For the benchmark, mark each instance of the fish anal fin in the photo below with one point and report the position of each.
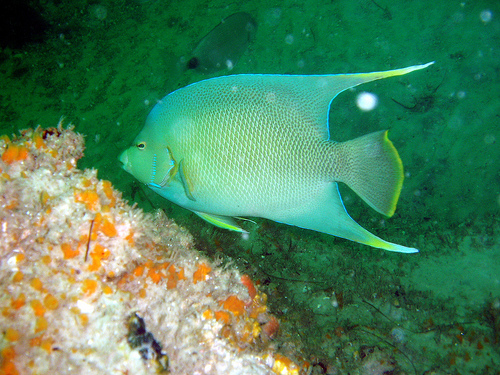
(327, 214)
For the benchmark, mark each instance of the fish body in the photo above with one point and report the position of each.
(256, 145)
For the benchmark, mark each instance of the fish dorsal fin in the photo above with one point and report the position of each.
(308, 95)
(318, 91)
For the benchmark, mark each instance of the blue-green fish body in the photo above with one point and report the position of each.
(258, 146)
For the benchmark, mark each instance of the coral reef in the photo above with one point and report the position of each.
(92, 285)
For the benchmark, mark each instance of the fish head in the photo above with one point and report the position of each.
(149, 161)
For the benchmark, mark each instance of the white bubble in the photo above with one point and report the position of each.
(490, 139)
(398, 335)
(366, 101)
(273, 17)
(146, 102)
(245, 236)
(289, 39)
(99, 11)
(486, 15)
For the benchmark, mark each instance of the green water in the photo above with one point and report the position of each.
(104, 64)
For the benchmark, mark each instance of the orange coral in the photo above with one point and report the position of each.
(18, 302)
(89, 198)
(106, 289)
(173, 277)
(139, 270)
(234, 304)
(41, 324)
(97, 254)
(107, 188)
(14, 153)
(245, 280)
(11, 334)
(36, 284)
(68, 251)
(155, 276)
(223, 316)
(271, 327)
(37, 307)
(7, 367)
(208, 314)
(18, 276)
(38, 141)
(89, 286)
(284, 365)
(108, 228)
(50, 302)
(201, 273)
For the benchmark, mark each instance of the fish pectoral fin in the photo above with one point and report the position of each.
(225, 222)
(186, 182)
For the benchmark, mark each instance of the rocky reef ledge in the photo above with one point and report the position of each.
(92, 285)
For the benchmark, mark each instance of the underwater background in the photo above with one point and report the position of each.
(103, 65)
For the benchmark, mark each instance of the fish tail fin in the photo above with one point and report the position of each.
(370, 165)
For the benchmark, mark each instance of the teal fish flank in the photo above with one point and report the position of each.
(256, 145)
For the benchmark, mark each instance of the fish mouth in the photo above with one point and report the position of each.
(123, 158)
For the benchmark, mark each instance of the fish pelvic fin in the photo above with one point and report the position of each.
(370, 165)
(224, 222)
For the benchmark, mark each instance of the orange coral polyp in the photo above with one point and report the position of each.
(234, 304)
(88, 197)
(155, 276)
(37, 307)
(108, 228)
(68, 251)
(50, 302)
(18, 276)
(107, 188)
(38, 141)
(201, 273)
(11, 334)
(36, 284)
(99, 252)
(223, 316)
(89, 286)
(173, 277)
(14, 153)
(245, 280)
(138, 271)
(41, 324)
(18, 302)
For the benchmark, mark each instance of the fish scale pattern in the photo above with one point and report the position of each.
(263, 148)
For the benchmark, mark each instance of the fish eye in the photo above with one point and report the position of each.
(141, 145)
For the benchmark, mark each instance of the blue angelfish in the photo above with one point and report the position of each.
(255, 145)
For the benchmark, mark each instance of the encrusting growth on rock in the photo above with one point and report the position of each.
(87, 280)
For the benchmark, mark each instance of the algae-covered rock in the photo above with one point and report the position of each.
(91, 285)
